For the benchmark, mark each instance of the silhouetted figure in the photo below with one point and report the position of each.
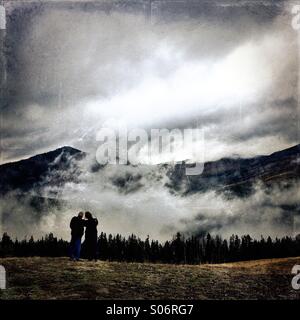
(77, 230)
(91, 236)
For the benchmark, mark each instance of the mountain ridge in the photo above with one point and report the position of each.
(62, 166)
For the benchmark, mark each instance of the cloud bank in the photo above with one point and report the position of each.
(129, 199)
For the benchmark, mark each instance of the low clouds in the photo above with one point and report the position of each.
(273, 212)
(136, 200)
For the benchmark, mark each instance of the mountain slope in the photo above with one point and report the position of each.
(238, 175)
(57, 167)
(32, 173)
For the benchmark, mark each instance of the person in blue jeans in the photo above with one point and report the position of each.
(77, 230)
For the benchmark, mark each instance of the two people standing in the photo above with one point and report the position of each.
(77, 226)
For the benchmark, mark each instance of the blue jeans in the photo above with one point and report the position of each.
(75, 247)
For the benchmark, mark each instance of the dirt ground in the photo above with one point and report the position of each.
(59, 278)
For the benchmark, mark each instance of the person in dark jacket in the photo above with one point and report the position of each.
(91, 236)
(77, 231)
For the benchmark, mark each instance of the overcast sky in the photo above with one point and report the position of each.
(230, 70)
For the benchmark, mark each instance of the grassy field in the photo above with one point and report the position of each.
(59, 278)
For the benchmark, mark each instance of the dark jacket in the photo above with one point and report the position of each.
(91, 229)
(77, 227)
(91, 236)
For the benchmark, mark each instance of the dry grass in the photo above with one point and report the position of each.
(59, 278)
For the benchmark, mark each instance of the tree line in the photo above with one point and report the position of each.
(179, 250)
